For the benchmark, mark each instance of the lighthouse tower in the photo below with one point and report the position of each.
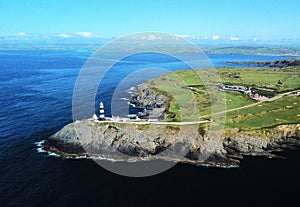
(102, 116)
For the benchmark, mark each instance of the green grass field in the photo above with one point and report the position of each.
(189, 95)
(282, 111)
(263, 77)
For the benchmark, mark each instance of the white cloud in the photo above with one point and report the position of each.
(64, 35)
(87, 34)
(183, 36)
(21, 34)
(146, 37)
(255, 39)
(234, 38)
(215, 37)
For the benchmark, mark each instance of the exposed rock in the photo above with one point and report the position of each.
(107, 140)
(244, 144)
(146, 97)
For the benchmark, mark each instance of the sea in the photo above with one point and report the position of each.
(36, 90)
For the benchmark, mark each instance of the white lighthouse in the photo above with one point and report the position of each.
(101, 110)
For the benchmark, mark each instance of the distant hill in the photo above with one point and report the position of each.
(273, 64)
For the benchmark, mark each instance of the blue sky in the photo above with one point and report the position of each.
(270, 19)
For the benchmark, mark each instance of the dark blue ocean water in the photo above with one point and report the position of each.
(36, 89)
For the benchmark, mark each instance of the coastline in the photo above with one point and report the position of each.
(157, 130)
(272, 64)
(229, 152)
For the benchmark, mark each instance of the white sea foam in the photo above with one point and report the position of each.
(41, 150)
(134, 106)
(52, 154)
(39, 146)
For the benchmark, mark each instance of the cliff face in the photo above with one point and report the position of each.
(146, 97)
(261, 142)
(102, 138)
(112, 141)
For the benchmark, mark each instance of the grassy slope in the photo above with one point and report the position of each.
(281, 111)
(189, 89)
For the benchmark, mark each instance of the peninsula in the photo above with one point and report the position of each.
(274, 64)
(262, 117)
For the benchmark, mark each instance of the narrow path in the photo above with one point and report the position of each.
(157, 122)
(171, 123)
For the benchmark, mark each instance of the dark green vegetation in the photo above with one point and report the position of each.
(241, 111)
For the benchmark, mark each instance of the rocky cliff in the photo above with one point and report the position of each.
(146, 97)
(124, 141)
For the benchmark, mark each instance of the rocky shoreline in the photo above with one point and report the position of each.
(133, 142)
(154, 103)
(271, 64)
